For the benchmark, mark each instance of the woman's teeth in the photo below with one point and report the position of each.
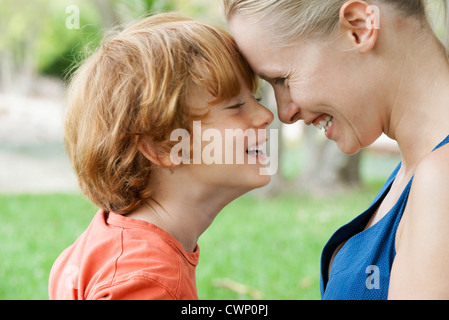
(325, 124)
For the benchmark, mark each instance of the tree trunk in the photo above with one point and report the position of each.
(327, 169)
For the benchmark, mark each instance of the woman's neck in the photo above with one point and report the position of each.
(419, 108)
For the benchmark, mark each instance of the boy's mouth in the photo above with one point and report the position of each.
(256, 150)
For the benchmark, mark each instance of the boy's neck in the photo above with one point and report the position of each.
(184, 210)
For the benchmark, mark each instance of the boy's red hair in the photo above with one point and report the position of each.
(137, 84)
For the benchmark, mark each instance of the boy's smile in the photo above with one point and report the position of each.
(233, 139)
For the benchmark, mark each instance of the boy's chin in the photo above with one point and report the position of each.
(261, 181)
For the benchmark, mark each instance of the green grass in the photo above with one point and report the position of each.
(272, 246)
(34, 229)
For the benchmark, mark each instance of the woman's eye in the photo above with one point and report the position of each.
(280, 81)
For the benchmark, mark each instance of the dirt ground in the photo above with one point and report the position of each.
(32, 155)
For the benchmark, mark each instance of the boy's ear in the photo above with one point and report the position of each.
(148, 149)
(360, 21)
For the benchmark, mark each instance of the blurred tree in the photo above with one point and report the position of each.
(35, 39)
(21, 22)
(109, 12)
(62, 47)
(326, 168)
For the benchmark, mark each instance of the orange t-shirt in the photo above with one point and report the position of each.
(122, 258)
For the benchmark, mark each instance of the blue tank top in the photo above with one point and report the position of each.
(361, 268)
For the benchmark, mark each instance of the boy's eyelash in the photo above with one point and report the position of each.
(236, 106)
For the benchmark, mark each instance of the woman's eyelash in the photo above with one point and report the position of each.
(280, 81)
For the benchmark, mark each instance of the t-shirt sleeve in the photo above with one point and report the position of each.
(136, 288)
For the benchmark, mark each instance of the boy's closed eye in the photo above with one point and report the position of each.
(236, 106)
(241, 104)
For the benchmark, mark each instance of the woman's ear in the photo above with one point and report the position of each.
(150, 151)
(360, 22)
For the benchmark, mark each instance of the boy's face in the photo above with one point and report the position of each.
(228, 144)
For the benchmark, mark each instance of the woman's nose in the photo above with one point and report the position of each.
(288, 112)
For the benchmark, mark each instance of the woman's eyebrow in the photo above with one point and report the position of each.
(264, 77)
(263, 74)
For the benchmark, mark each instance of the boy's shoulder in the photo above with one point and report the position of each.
(150, 265)
(117, 256)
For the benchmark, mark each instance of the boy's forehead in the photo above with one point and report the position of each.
(200, 97)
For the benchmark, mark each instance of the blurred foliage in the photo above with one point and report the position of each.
(34, 33)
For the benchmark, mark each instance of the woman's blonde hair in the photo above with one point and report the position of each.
(293, 19)
(137, 84)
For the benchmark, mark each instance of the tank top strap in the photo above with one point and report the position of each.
(442, 143)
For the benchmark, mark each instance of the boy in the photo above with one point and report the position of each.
(125, 102)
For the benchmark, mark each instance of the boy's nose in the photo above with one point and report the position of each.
(262, 117)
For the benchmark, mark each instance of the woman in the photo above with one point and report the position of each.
(359, 69)
(125, 103)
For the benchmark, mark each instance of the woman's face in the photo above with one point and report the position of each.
(318, 82)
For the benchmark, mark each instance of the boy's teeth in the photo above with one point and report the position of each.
(254, 148)
(257, 149)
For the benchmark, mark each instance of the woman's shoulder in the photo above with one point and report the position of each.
(419, 270)
(432, 174)
(429, 193)
(426, 215)
(427, 212)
